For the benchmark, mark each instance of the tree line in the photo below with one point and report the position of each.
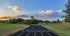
(30, 21)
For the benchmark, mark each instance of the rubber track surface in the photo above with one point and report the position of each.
(34, 30)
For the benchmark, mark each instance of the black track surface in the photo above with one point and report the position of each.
(34, 30)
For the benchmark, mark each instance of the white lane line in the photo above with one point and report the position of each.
(27, 34)
(20, 33)
(41, 33)
(48, 33)
(35, 28)
(34, 33)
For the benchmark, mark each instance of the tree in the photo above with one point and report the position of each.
(18, 20)
(54, 21)
(31, 21)
(47, 21)
(34, 21)
(67, 11)
(32, 17)
(12, 20)
(58, 20)
(40, 21)
(27, 22)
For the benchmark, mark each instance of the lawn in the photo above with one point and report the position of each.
(60, 29)
(6, 29)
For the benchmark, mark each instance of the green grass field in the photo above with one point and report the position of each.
(60, 29)
(6, 29)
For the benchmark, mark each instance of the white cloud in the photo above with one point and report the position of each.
(42, 12)
(10, 6)
(59, 11)
(15, 8)
(48, 12)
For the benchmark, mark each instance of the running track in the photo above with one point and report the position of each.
(34, 30)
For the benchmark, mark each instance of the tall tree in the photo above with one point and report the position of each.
(32, 17)
(67, 11)
(58, 21)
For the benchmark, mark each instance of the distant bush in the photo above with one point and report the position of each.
(2, 21)
(31, 21)
(19, 20)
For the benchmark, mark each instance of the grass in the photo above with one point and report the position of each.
(60, 29)
(6, 29)
(7, 26)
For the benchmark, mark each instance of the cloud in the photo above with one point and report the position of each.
(59, 11)
(15, 8)
(48, 12)
(42, 12)
(19, 15)
(10, 6)
(51, 17)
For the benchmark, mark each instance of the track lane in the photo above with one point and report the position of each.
(34, 30)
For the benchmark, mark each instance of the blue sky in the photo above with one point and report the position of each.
(47, 8)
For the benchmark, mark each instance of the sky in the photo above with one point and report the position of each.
(40, 9)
